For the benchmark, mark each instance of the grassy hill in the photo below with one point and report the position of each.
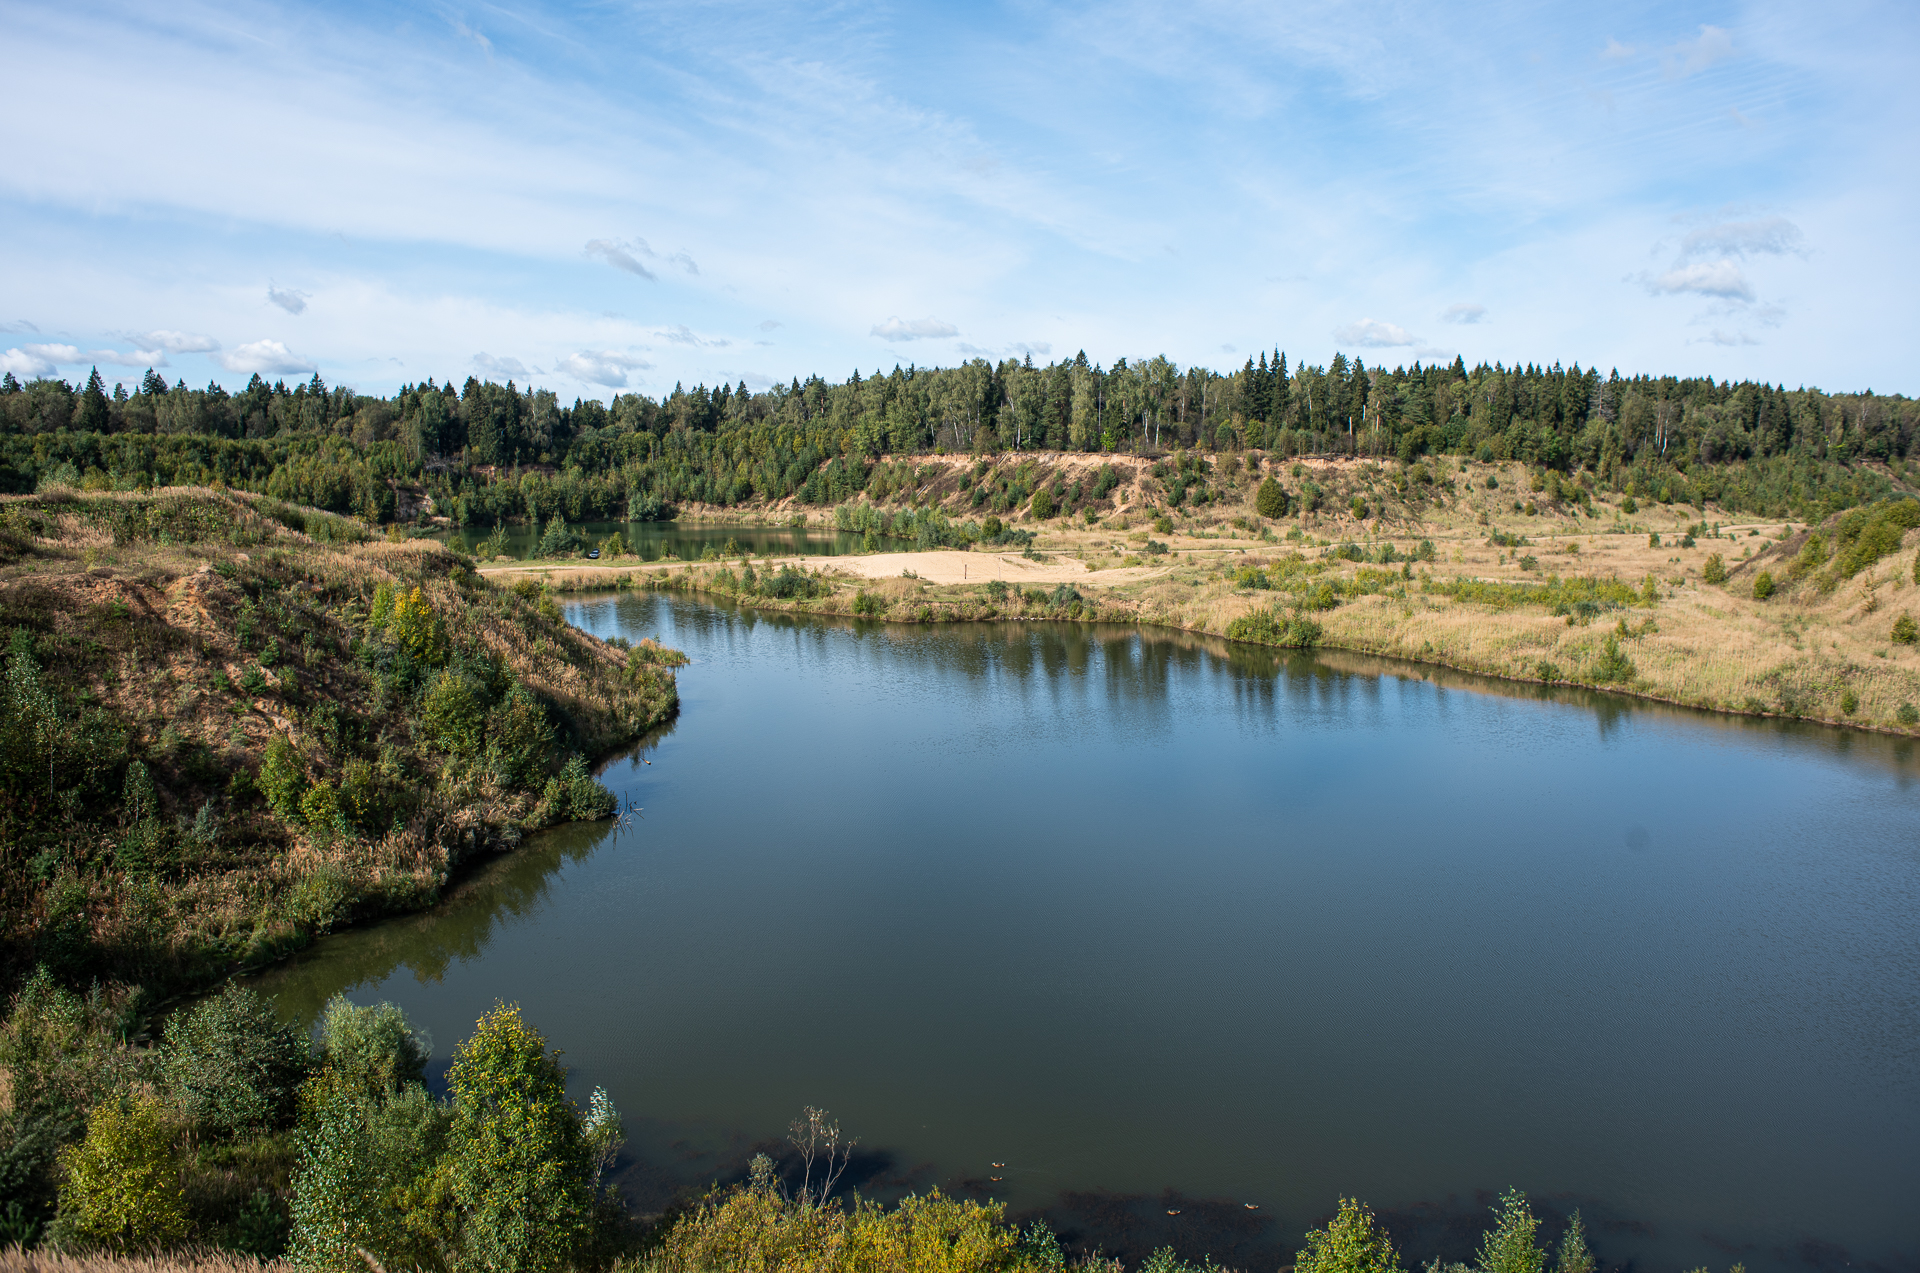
(229, 724)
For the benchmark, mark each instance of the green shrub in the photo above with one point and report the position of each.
(1629, 505)
(1613, 663)
(574, 795)
(1904, 632)
(1509, 1247)
(1849, 702)
(232, 1065)
(1908, 714)
(283, 777)
(122, 1185)
(1042, 504)
(1270, 500)
(374, 1049)
(1352, 1242)
(1714, 570)
(1266, 626)
(1164, 526)
(1762, 586)
(866, 603)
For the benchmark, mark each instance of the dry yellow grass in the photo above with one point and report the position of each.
(16, 1260)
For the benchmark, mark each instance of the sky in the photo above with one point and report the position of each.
(610, 198)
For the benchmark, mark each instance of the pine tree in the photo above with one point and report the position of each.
(91, 415)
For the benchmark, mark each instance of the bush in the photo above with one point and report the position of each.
(1714, 570)
(122, 1185)
(1352, 1242)
(1613, 664)
(1908, 714)
(866, 603)
(374, 1049)
(1509, 1247)
(283, 777)
(232, 1066)
(1267, 626)
(1042, 504)
(1904, 632)
(1270, 501)
(1849, 702)
(1163, 525)
(1762, 586)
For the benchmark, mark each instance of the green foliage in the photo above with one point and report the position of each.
(122, 1185)
(518, 1169)
(364, 1159)
(1714, 570)
(1574, 1257)
(232, 1066)
(575, 795)
(1042, 504)
(1849, 701)
(1904, 632)
(1908, 714)
(283, 777)
(1352, 1242)
(1763, 585)
(1613, 663)
(372, 1049)
(1270, 500)
(1267, 626)
(1509, 1247)
(1864, 535)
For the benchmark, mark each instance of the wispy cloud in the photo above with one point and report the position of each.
(1463, 313)
(914, 329)
(1373, 334)
(172, 341)
(487, 364)
(1773, 236)
(620, 254)
(19, 325)
(288, 299)
(1720, 278)
(770, 325)
(1728, 339)
(264, 358)
(1688, 57)
(607, 367)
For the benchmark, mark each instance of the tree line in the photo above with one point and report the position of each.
(487, 452)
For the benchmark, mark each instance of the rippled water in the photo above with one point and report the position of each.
(1138, 913)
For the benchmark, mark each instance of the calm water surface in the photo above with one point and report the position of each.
(1162, 925)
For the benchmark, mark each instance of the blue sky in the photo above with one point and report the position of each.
(615, 197)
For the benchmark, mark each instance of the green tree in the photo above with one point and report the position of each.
(1043, 504)
(1574, 1256)
(1270, 501)
(122, 1184)
(1352, 1242)
(283, 776)
(1714, 570)
(1763, 585)
(374, 1048)
(1904, 633)
(518, 1170)
(232, 1065)
(1509, 1247)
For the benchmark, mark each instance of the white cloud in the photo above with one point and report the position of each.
(1616, 51)
(173, 342)
(264, 357)
(134, 358)
(25, 365)
(1037, 348)
(608, 367)
(619, 253)
(1720, 278)
(1718, 337)
(1464, 312)
(1377, 335)
(57, 353)
(291, 301)
(1689, 56)
(1774, 236)
(913, 329)
(487, 363)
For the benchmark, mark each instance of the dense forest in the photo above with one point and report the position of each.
(485, 453)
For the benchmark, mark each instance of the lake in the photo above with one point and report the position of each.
(1168, 925)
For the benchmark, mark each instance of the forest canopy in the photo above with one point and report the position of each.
(485, 452)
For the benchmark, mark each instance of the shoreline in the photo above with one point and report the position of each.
(688, 577)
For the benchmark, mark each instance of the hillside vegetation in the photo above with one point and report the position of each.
(230, 724)
(1499, 569)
